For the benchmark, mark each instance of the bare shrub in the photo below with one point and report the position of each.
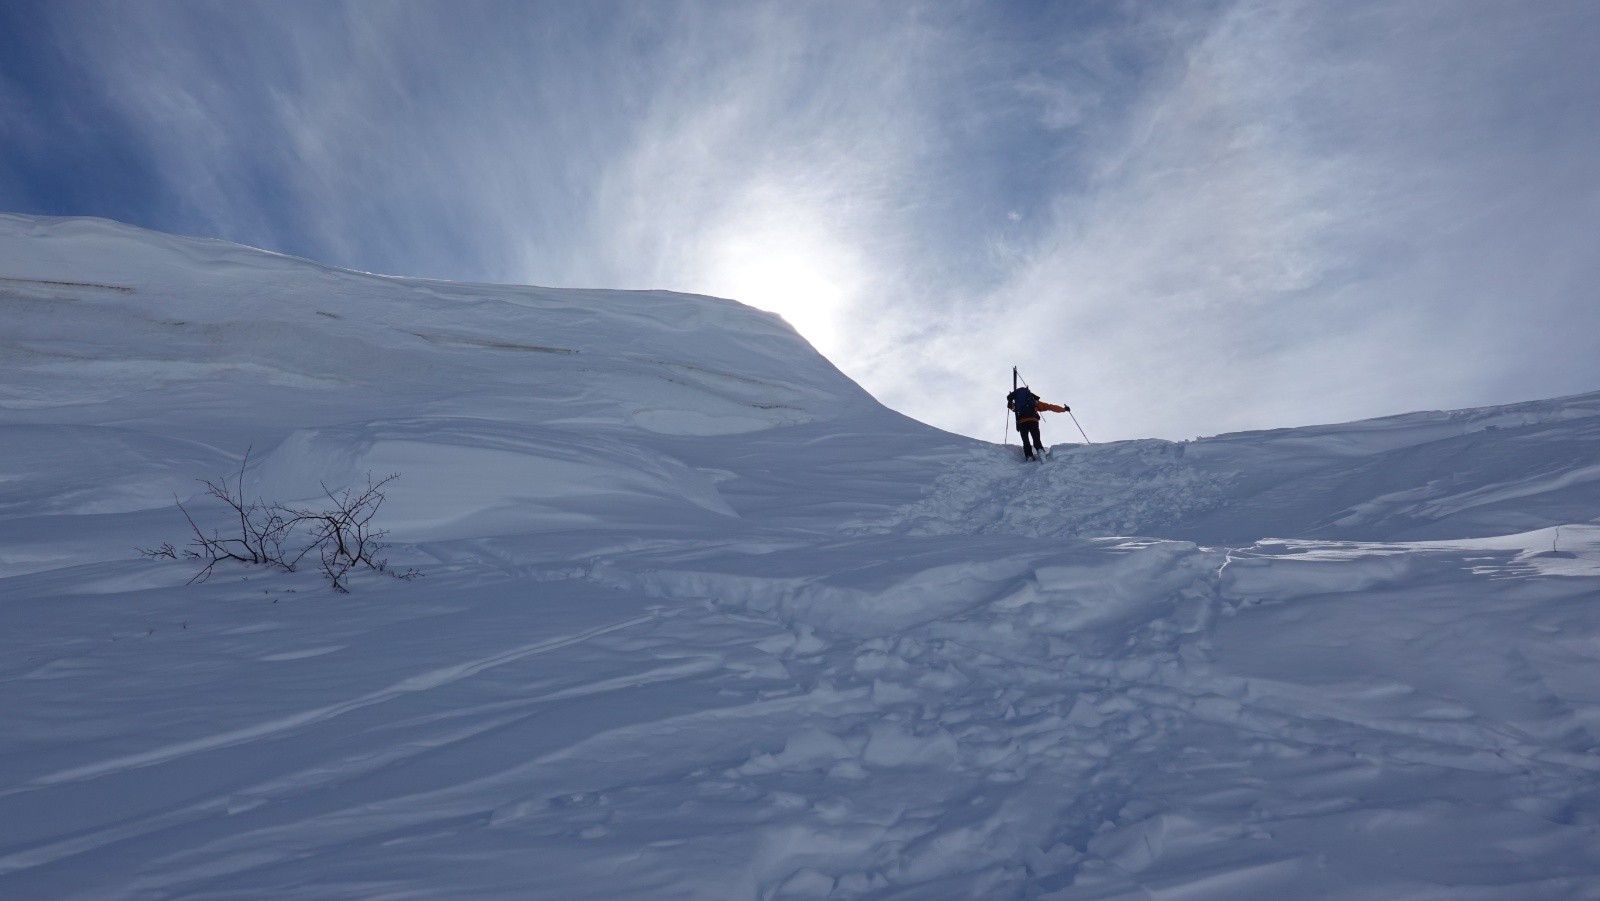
(340, 535)
(262, 536)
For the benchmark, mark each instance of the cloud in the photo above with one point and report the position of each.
(1060, 106)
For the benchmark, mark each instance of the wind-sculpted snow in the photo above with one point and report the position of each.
(1137, 717)
(1472, 473)
(197, 333)
(481, 477)
(699, 619)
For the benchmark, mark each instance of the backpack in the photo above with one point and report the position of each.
(1024, 402)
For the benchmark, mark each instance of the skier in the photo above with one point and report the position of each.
(1026, 405)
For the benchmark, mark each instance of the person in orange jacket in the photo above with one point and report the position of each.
(1026, 405)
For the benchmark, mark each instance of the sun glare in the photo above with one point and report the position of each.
(789, 284)
(796, 272)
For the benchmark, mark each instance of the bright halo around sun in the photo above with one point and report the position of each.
(790, 269)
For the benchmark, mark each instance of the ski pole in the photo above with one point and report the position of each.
(1006, 433)
(1080, 428)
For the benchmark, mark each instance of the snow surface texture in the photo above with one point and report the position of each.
(700, 619)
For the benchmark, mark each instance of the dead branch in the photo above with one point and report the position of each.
(281, 536)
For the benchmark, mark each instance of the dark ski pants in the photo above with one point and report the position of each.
(1030, 430)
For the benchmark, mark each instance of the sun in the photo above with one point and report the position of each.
(786, 265)
(790, 283)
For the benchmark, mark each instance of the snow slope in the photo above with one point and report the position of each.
(700, 619)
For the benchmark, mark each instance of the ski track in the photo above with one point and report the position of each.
(487, 719)
(481, 801)
(1134, 488)
(421, 682)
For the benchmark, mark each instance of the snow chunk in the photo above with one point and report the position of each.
(812, 749)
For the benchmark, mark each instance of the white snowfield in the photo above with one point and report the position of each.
(699, 619)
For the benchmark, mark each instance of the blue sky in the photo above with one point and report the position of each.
(1180, 218)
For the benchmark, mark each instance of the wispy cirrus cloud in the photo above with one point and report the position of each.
(1313, 212)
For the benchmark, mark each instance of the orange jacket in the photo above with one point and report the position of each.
(1054, 408)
